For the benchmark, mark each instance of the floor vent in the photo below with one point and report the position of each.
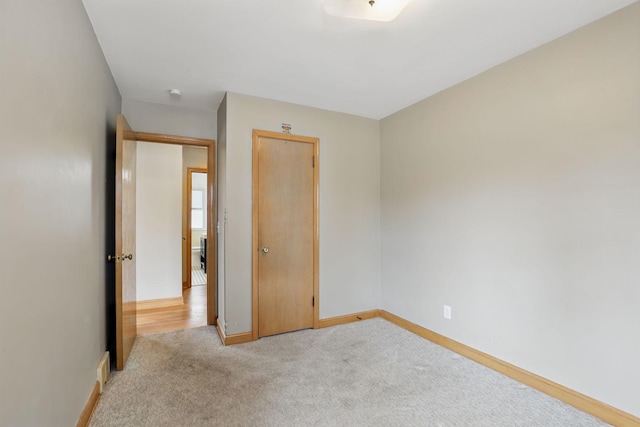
(104, 368)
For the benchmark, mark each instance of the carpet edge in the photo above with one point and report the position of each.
(601, 410)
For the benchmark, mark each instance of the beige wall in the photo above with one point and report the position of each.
(221, 172)
(514, 198)
(349, 204)
(58, 105)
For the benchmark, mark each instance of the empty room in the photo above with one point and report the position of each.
(320, 212)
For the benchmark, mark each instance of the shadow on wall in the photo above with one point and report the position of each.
(110, 240)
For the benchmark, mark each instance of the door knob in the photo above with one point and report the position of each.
(265, 249)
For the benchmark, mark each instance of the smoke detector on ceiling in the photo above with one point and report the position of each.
(372, 10)
(176, 93)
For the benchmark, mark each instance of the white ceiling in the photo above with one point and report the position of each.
(292, 50)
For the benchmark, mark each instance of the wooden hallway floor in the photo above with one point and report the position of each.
(191, 314)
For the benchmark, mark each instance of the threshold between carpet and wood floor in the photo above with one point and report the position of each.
(188, 311)
(361, 373)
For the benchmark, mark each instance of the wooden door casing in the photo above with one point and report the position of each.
(286, 223)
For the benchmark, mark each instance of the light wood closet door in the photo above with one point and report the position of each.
(286, 232)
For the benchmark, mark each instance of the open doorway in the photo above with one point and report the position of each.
(173, 185)
(196, 234)
(126, 291)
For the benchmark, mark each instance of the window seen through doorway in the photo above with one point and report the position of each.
(197, 209)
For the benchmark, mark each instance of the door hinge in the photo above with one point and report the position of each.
(313, 301)
(313, 161)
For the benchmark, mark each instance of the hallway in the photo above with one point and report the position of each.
(191, 314)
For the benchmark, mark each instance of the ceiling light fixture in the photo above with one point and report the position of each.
(372, 10)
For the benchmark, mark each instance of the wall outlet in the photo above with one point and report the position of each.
(447, 311)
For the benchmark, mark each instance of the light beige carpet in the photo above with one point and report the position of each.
(370, 373)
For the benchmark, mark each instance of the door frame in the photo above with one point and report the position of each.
(188, 213)
(255, 283)
(210, 144)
